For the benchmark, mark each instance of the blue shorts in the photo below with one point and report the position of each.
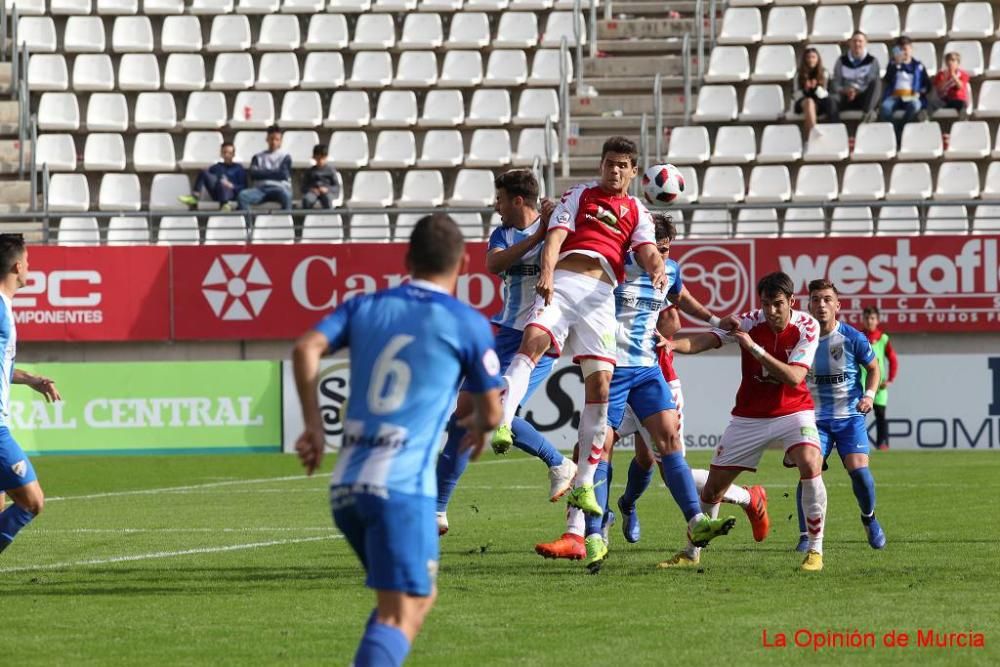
(508, 341)
(643, 388)
(395, 538)
(15, 468)
(848, 436)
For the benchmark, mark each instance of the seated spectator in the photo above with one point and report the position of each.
(810, 94)
(951, 85)
(222, 182)
(905, 87)
(856, 84)
(271, 171)
(319, 183)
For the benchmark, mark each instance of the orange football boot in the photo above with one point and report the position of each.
(568, 546)
(757, 512)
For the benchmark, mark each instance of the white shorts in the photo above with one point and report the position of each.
(581, 318)
(631, 425)
(746, 438)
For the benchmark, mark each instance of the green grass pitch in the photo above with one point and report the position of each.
(151, 560)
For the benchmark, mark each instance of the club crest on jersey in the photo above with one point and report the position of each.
(837, 352)
(20, 468)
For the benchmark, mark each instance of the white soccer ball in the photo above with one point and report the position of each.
(662, 184)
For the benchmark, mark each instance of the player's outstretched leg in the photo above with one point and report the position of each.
(561, 469)
(593, 431)
(28, 502)
(517, 379)
(450, 466)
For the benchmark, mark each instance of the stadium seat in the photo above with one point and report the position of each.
(921, 141)
(442, 148)
(58, 111)
(349, 149)
(470, 224)
(349, 6)
(372, 189)
(545, 68)
(181, 34)
(947, 219)
(531, 144)
(138, 71)
(247, 143)
(770, 183)
(60, 8)
(310, 7)
(299, 144)
(270, 228)
(728, 64)
(205, 110)
(84, 34)
(880, 22)
(93, 72)
(154, 151)
(688, 145)
(972, 20)
(722, 185)
(69, 192)
(38, 32)
(716, 104)
(78, 231)
(559, 25)
(993, 71)
(422, 187)
(775, 63)
(741, 25)
(516, 30)
(278, 71)
(107, 112)
(422, 31)
(832, 23)
(763, 102)
(874, 142)
(396, 108)
(507, 68)
(473, 187)
(371, 69)
(323, 71)
(279, 33)
(405, 222)
(780, 143)
(416, 69)
(710, 223)
(809, 221)
(165, 189)
(734, 145)
(117, 7)
(58, 151)
(489, 108)
(318, 227)
(327, 32)
(442, 108)
(119, 192)
(374, 32)
(178, 230)
(127, 230)
(348, 109)
(925, 52)
(47, 72)
(201, 149)
(909, 180)
(533, 5)
(398, 6)
(252, 110)
(184, 71)
(486, 5)
(691, 189)
(988, 104)
(535, 106)
(369, 227)
(828, 53)
(957, 180)
(301, 109)
(469, 30)
(489, 148)
(862, 182)
(987, 219)
(233, 71)
(461, 69)
(210, 7)
(225, 229)
(925, 20)
(786, 25)
(827, 143)
(898, 220)
(852, 221)
(229, 33)
(257, 6)
(132, 34)
(991, 185)
(971, 53)
(440, 5)
(757, 222)
(816, 183)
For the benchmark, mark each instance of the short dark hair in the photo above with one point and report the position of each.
(519, 183)
(274, 129)
(774, 284)
(320, 150)
(822, 284)
(11, 251)
(622, 145)
(227, 143)
(436, 245)
(859, 32)
(903, 40)
(664, 228)
(871, 310)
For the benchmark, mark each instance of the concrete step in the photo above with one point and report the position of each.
(10, 113)
(6, 77)
(650, 46)
(652, 7)
(627, 105)
(10, 154)
(34, 232)
(633, 66)
(15, 196)
(644, 28)
(622, 125)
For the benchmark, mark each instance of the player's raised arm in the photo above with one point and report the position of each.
(550, 257)
(646, 253)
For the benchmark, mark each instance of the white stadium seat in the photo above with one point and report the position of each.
(371, 189)
(741, 26)
(440, 5)
(516, 30)
(461, 69)
(991, 185)
(310, 7)
(210, 7)
(38, 32)
(394, 149)
(968, 140)
(993, 71)
(58, 111)
(688, 145)
(852, 221)
(155, 111)
(469, 30)
(205, 110)
(78, 231)
(422, 31)
(369, 227)
(58, 151)
(442, 108)
(832, 23)
(184, 71)
(181, 34)
(827, 143)
(780, 143)
(988, 104)
(759, 222)
(327, 32)
(60, 8)
(728, 64)
(489, 108)
(248, 143)
(107, 112)
(506, 68)
(921, 141)
(957, 180)
(138, 71)
(808, 221)
(374, 32)
(535, 106)
(422, 187)
(117, 7)
(762, 102)
(874, 142)
(84, 34)
(442, 148)
(691, 189)
(774, 63)
(278, 71)
(348, 109)
(93, 72)
(323, 71)
(708, 223)
(201, 149)
(119, 192)
(279, 33)
(862, 181)
(252, 110)
(271, 228)
(880, 22)
(127, 230)
(734, 144)
(716, 104)
(925, 20)
(349, 6)
(225, 229)
(398, 6)
(987, 220)
(909, 180)
(816, 183)
(162, 7)
(898, 220)
(47, 72)
(559, 25)
(473, 187)
(486, 5)
(769, 183)
(972, 20)
(531, 143)
(396, 108)
(416, 69)
(786, 25)
(229, 33)
(947, 219)
(132, 34)
(69, 192)
(104, 152)
(546, 70)
(349, 149)
(301, 108)
(257, 6)
(233, 71)
(489, 148)
(722, 185)
(154, 151)
(322, 228)
(165, 189)
(371, 69)
(178, 230)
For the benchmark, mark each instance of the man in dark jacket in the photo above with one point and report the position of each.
(905, 86)
(271, 171)
(320, 183)
(855, 84)
(223, 181)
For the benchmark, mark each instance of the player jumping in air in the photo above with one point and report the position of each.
(410, 346)
(841, 403)
(773, 404)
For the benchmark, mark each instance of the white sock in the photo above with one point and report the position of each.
(700, 476)
(735, 495)
(574, 521)
(593, 430)
(517, 378)
(814, 506)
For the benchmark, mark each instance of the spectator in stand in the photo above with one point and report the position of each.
(810, 94)
(222, 182)
(271, 171)
(905, 87)
(951, 85)
(888, 365)
(856, 83)
(320, 183)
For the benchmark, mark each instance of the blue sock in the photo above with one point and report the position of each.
(528, 439)
(451, 464)
(681, 484)
(12, 520)
(611, 477)
(593, 523)
(864, 490)
(638, 482)
(382, 646)
(798, 505)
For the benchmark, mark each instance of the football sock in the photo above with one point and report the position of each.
(814, 506)
(451, 464)
(382, 646)
(798, 506)
(575, 521)
(593, 429)
(607, 495)
(528, 439)
(864, 490)
(593, 523)
(12, 520)
(679, 481)
(638, 482)
(517, 377)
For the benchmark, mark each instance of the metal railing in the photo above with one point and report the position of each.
(15, 69)
(564, 101)
(699, 31)
(3, 32)
(686, 65)
(550, 164)
(578, 65)
(643, 151)
(592, 29)
(658, 114)
(712, 9)
(33, 168)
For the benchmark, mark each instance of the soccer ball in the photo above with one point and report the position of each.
(662, 184)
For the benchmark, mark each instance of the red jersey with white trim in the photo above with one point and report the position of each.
(666, 360)
(760, 395)
(602, 225)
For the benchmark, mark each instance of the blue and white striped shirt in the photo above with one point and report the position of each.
(520, 279)
(637, 307)
(835, 377)
(8, 343)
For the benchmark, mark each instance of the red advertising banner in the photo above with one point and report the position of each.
(279, 291)
(95, 294)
